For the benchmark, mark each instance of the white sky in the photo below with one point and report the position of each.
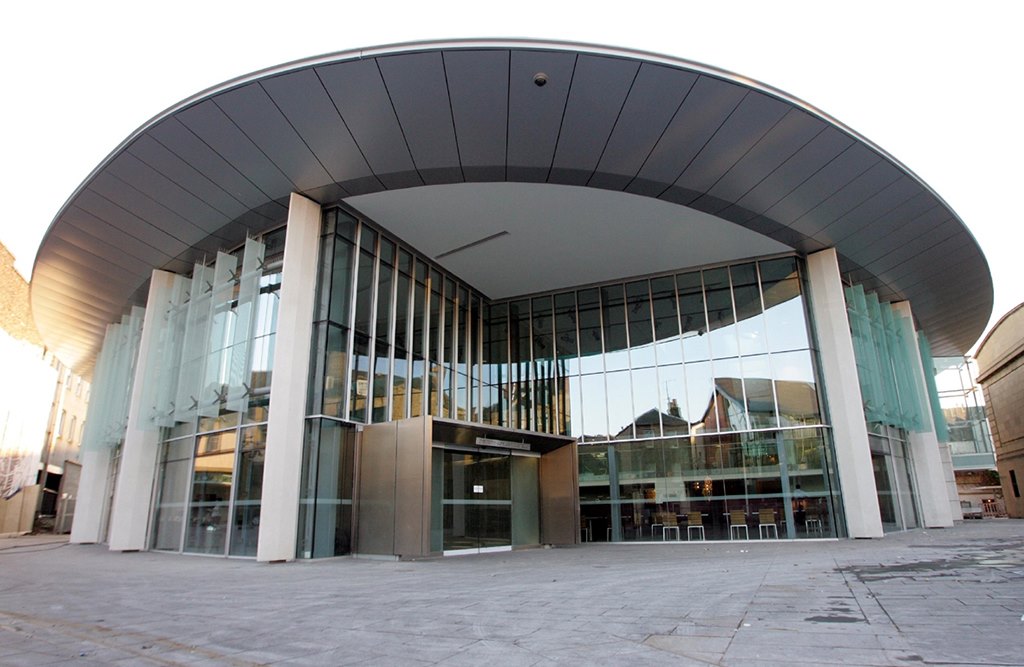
(936, 84)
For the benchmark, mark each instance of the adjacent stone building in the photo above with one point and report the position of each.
(1001, 363)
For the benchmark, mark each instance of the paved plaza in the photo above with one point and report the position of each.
(928, 597)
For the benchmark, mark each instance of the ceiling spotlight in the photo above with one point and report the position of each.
(540, 78)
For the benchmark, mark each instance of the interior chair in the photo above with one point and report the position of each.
(766, 524)
(671, 525)
(812, 521)
(738, 522)
(694, 524)
(658, 522)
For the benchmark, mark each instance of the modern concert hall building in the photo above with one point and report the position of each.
(459, 296)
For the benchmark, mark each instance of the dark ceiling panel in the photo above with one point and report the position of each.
(911, 232)
(144, 208)
(867, 183)
(255, 114)
(101, 249)
(535, 112)
(221, 166)
(808, 160)
(308, 107)
(653, 100)
(785, 139)
(327, 194)
(478, 90)
(705, 109)
(89, 223)
(889, 263)
(167, 193)
(825, 183)
(941, 259)
(756, 115)
(419, 92)
(889, 198)
(184, 175)
(216, 130)
(100, 207)
(852, 232)
(358, 92)
(98, 267)
(183, 143)
(599, 89)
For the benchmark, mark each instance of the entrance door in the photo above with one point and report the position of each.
(477, 502)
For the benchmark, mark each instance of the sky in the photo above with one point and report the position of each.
(935, 84)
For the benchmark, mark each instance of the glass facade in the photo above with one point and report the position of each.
(689, 392)
(210, 470)
(894, 481)
(963, 412)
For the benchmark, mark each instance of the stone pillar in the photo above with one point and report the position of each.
(929, 475)
(842, 393)
(130, 512)
(286, 426)
(90, 500)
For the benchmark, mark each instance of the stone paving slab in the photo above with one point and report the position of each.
(927, 597)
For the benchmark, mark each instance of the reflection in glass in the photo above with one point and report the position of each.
(172, 498)
(566, 349)
(325, 494)
(760, 391)
(620, 405)
(721, 322)
(477, 500)
(666, 321)
(796, 388)
(341, 282)
(635, 490)
(248, 492)
(700, 394)
(591, 350)
(595, 415)
(712, 359)
(211, 493)
(613, 314)
(693, 317)
(647, 410)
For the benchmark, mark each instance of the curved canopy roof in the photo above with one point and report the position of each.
(710, 144)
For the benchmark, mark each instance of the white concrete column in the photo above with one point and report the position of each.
(90, 501)
(842, 392)
(282, 469)
(929, 475)
(129, 515)
(946, 455)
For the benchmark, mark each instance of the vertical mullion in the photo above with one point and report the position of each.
(353, 293)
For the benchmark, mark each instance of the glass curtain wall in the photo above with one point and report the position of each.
(716, 363)
(394, 336)
(896, 400)
(688, 393)
(893, 468)
(210, 471)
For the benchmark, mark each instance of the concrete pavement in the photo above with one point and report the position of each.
(927, 597)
